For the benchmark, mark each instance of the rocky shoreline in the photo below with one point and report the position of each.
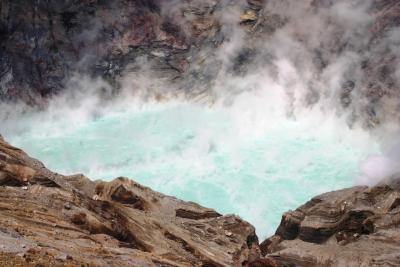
(48, 219)
(118, 223)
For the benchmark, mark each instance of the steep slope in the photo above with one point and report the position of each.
(351, 227)
(50, 219)
(345, 51)
(56, 220)
(44, 43)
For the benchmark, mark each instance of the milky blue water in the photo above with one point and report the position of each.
(201, 154)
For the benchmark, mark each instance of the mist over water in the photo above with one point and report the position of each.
(243, 158)
(261, 126)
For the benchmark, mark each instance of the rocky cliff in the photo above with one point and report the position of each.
(351, 227)
(60, 220)
(346, 51)
(48, 219)
(44, 43)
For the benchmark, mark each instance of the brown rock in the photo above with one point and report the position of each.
(350, 227)
(125, 225)
(196, 214)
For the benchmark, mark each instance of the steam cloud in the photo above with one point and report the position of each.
(300, 60)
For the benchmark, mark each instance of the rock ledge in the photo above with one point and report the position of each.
(47, 219)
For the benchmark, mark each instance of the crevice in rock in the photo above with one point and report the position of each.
(7, 180)
(45, 182)
(182, 242)
(208, 264)
(124, 196)
(196, 215)
(119, 227)
(159, 263)
(289, 227)
(251, 239)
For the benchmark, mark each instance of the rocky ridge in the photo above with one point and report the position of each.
(71, 219)
(357, 226)
(47, 219)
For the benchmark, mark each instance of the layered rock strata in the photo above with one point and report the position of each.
(358, 226)
(55, 220)
(47, 219)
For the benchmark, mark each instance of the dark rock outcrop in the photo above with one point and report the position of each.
(55, 220)
(44, 43)
(350, 227)
(181, 45)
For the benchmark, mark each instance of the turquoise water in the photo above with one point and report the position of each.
(234, 164)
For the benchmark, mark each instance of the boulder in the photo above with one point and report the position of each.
(351, 227)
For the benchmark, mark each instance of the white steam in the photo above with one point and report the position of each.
(379, 168)
(284, 79)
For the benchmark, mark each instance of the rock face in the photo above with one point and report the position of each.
(189, 47)
(47, 219)
(44, 43)
(55, 220)
(350, 227)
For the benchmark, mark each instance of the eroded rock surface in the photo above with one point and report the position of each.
(350, 227)
(55, 220)
(191, 48)
(60, 220)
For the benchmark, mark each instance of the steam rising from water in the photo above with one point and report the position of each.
(259, 142)
(246, 158)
